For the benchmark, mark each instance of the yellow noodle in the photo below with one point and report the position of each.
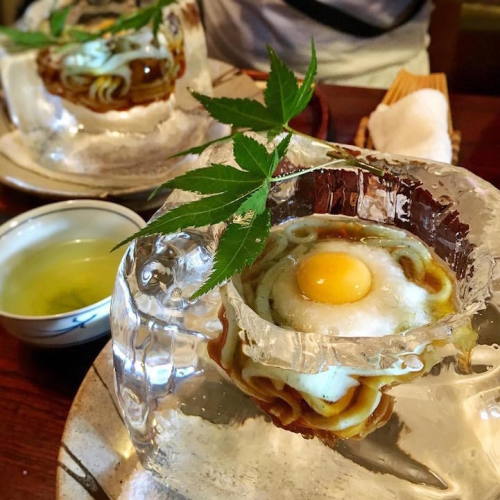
(446, 287)
(111, 89)
(310, 227)
(275, 248)
(327, 409)
(289, 411)
(355, 430)
(263, 292)
(414, 257)
(94, 88)
(310, 234)
(278, 243)
(365, 404)
(378, 418)
(384, 232)
(388, 243)
(363, 408)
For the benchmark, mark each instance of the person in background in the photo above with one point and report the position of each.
(358, 42)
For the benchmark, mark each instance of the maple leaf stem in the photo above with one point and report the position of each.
(298, 173)
(343, 155)
(307, 136)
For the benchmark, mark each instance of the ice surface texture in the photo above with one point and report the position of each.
(187, 421)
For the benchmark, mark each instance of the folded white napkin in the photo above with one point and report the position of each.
(416, 125)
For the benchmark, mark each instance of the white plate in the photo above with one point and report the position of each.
(97, 459)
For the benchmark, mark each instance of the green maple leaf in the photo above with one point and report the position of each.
(239, 247)
(282, 148)
(256, 165)
(246, 113)
(196, 150)
(284, 99)
(59, 36)
(306, 90)
(210, 210)
(238, 197)
(253, 156)
(140, 18)
(81, 36)
(281, 90)
(27, 39)
(135, 21)
(57, 20)
(157, 20)
(256, 202)
(217, 178)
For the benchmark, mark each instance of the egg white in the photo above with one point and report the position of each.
(393, 303)
(331, 384)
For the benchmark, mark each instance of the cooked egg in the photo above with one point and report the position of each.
(331, 384)
(333, 278)
(347, 288)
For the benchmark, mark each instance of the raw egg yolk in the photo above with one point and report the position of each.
(333, 278)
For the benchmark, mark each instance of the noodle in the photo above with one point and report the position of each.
(415, 259)
(293, 233)
(119, 73)
(361, 408)
(445, 288)
(262, 295)
(327, 409)
(284, 405)
(403, 242)
(310, 227)
(278, 243)
(366, 402)
(263, 292)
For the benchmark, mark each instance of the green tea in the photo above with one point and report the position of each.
(59, 278)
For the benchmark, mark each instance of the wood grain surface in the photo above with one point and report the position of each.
(37, 387)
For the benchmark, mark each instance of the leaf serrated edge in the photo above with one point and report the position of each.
(279, 70)
(306, 90)
(209, 283)
(57, 20)
(217, 107)
(243, 144)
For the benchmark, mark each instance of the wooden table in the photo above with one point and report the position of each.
(37, 387)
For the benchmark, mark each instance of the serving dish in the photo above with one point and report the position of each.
(97, 459)
(196, 428)
(61, 222)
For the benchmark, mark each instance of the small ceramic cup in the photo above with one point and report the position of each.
(62, 221)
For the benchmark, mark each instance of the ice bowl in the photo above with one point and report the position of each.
(204, 438)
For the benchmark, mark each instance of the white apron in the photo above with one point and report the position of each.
(239, 30)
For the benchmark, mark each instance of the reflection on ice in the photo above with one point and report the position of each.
(205, 439)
